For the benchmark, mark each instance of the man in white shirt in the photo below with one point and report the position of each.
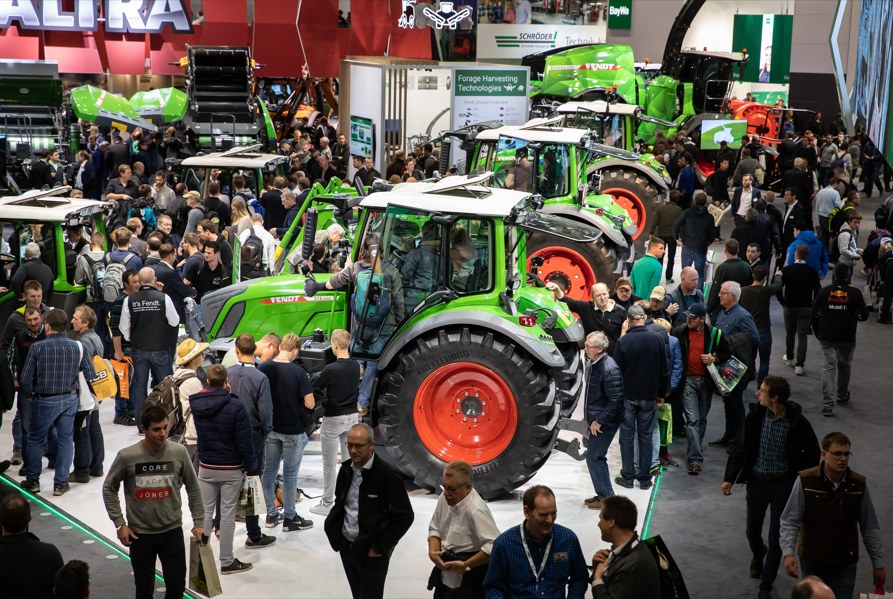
(270, 243)
(743, 199)
(460, 535)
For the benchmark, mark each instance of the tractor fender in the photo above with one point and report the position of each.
(543, 352)
(589, 216)
(663, 184)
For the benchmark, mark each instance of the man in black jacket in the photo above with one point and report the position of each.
(32, 269)
(697, 386)
(274, 211)
(41, 172)
(695, 230)
(800, 284)
(838, 308)
(633, 571)
(801, 180)
(604, 413)
(34, 562)
(787, 152)
(794, 213)
(371, 514)
(85, 177)
(600, 314)
(172, 281)
(775, 443)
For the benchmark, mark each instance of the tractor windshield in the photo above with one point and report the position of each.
(609, 127)
(513, 166)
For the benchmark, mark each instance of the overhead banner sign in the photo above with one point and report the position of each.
(121, 16)
(767, 39)
(517, 41)
(620, 14)
(481, 94)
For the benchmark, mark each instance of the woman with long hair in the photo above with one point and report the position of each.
(241, 216)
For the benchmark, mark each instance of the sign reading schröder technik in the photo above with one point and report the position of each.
(123, 16)
(517, 41)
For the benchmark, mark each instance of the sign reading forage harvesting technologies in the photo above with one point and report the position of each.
(490, 95)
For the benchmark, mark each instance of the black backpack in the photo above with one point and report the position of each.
(97, 275)
(166, 394)
(256, 245)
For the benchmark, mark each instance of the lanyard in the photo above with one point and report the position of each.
(536, 575)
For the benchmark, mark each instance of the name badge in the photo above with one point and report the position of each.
(370, 496)
(560, 556)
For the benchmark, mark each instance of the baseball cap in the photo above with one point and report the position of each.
(635, 313)
(623, 282)
(659, 293)
(284, 142)
(696, 311)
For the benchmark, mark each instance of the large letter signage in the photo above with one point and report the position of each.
(122, 16)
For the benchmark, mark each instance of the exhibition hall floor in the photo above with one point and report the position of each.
(302, 564)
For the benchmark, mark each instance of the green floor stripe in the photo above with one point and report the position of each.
(651, 505)
(82, 527)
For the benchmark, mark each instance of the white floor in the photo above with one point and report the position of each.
(301, 564)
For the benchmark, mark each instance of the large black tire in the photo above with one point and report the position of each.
(529, 382)
(569, 379)
(644, 189)
(601, 255)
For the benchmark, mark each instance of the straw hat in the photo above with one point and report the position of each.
(188, 350)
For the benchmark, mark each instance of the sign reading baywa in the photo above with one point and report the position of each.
(121, 16)
(497, 83)
(517, 41)
(620, 14)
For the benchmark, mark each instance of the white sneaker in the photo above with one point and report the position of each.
(798, 371)
(788, 362)
(321, 509)
(16, 458)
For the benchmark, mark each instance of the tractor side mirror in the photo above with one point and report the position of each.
(537, 261)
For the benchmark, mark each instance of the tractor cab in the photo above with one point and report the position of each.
(254, 167)
(615, 123)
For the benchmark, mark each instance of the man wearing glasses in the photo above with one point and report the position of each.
(826, 505)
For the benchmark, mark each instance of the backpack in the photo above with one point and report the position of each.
(112, 282)
(97, 276)
(834, 251)
(166, 395)
(256, 245)
(837, 218)
(373, 314)
(882, 215)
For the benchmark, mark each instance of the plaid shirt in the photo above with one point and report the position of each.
(771, 459)
(51, 367)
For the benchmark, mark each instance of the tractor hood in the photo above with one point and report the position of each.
(572, 72)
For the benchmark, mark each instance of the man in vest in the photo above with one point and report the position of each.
(827, 504)
(146, 320)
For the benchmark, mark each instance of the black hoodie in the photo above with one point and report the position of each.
(837, 309)
(696, 228)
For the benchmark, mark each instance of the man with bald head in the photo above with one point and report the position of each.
(149, 321)
(812, 587)
(685, 295)
(601, 313)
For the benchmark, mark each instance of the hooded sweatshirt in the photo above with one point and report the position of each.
(224, 431)
(818, 256)
(848, 245)
(696, 228)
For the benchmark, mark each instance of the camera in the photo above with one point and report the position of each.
(340, 252)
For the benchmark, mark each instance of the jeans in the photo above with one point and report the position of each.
(841, 579)
(690, 257)
(228, 483)
(766, 494)
(670, 243)
(124, 405)
(639, 416)
(160, 364)
(824, 234)
(837, 359)
(695, 405)
(170, 549)
(597, 461)
(23, 412)
(102, 311)
(796, 322)
(734, 407)
(288, 449)
(89, 447)
(46, 411)
(195, 322)
(17, 432)
(367, 577)
(371, 346)
(332, 436)
(655, 448)
(765, 353)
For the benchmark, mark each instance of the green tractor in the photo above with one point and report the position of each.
(483, 365)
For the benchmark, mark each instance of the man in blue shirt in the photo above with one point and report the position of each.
(538, 558)
(730, 320)
(523, 13)
(686, 181)
(825, 201)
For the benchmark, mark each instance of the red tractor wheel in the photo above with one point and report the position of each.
(632, 204)
(637, 194)
(566, 267)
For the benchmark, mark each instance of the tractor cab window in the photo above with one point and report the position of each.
(609, 128)
(18, 238)
(471, 250)
(483, 156)
(416, 249)
(554, 164)
(513, 165)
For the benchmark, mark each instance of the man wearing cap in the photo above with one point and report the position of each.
(599, 314)
(700, 347)
(642, 358)
(659, 307)
(647, 270)
(623, 293)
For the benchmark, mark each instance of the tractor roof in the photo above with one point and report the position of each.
(539, 130)
(239, 157)
(598, 106)
(47, 206)
(736, 56)
(451, 195)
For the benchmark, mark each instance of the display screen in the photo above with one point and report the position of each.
(714, 132)
(277, 89)
(288, 89)
(873, 64)
(362, 140)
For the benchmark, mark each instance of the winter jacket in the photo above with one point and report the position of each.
(818, 256)
(91, 342)
(604, 393)
(801, 446)
(848, 245)
(677, 365)
(683, 301)
(664, 217)
(646, 274)
(748, 233)
(633, 573)
(642, 357)
(733, 269)
(696, 228)
(837, 309)
(722, 351)
(224, 431)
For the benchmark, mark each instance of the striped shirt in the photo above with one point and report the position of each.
(52, 366)
(771, 458)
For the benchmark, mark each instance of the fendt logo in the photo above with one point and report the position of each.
(618, 11)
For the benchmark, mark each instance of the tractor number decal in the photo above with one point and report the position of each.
(290, 299)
